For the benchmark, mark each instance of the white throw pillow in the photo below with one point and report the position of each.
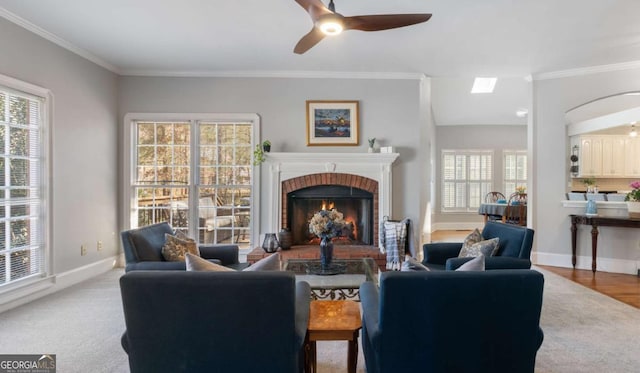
(475, 264)
(196, 263)
(269, 263)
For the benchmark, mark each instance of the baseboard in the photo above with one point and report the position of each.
(584, 262)
(463, 226)
(43, 287)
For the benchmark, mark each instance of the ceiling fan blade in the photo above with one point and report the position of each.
(315, 8)
(384, 22)
(309, 40)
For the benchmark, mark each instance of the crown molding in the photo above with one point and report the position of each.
(587, 70)
(56, 40)
(278, 74)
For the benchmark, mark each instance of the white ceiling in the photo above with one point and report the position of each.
(509, 39)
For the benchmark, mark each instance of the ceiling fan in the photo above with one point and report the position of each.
(327, 22)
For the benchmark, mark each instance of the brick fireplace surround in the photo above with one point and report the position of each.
(330, 178)
(292, 171)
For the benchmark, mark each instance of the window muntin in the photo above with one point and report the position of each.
(515, 170)
(466, 178)
(22, 218)
(197, 170)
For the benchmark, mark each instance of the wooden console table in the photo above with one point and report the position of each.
(595, 222)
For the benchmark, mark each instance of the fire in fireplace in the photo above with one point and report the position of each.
(355, 204)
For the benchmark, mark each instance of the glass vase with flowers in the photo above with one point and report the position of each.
(326, 224)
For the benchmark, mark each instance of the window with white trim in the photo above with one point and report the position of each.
(515, 170)
(22, 190)
(467, 177)
(196, 174)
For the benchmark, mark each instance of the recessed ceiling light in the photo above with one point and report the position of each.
(483, 85)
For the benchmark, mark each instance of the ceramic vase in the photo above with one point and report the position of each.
(285, 238)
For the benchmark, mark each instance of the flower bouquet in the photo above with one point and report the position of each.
(633, 200)
(326, 224)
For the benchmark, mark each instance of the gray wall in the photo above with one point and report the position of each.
(389, 111)
(551, 161)
(477, 137)
(84, 169)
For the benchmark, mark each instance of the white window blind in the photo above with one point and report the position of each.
(22, 222)
(466, 178)
(515, 170)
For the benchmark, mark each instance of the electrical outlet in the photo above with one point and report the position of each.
(99, 245)
(83, 249)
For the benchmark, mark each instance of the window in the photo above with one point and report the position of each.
(23, 165)
(196, 174)
(515, 170)
(466, 179)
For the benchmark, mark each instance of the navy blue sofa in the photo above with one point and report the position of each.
(448, 321)
(143, 250)
(514, 249)
(181, 321)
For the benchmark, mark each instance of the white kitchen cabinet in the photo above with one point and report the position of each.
(609, 156)
(590, 156)
(613, 156)
(632, 156)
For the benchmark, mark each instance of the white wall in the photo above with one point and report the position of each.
(84, 128)
(389, 111)
(618, 248)
(477, 137)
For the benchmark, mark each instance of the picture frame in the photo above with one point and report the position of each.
(333, 123)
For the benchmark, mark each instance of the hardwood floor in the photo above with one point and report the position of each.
(625, 288)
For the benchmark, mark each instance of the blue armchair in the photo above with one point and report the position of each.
(143, 250)
(179, 321)
(447, 321)
(514, 250)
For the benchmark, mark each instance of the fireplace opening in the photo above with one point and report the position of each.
(355, 204)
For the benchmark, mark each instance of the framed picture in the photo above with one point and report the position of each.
(332, 123)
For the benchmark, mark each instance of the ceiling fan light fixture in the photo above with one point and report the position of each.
(330, 24)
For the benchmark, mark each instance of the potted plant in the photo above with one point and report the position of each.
(633, 200)
(589, 183)
(258, 155)
(372, 142)
(266, 146)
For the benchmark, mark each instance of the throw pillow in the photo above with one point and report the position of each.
(486, 248)
(196, 263)
(475, 264)
(471, 239)
(174, 248)
(269, 263)
(412, 265)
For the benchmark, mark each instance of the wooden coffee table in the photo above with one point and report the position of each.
(333, 320)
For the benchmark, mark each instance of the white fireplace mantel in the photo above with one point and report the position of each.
(285, 166)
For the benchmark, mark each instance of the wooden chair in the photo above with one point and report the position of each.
(493, 197)
(520, 197)
(516, 211)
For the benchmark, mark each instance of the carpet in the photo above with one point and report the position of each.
(585, 331)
